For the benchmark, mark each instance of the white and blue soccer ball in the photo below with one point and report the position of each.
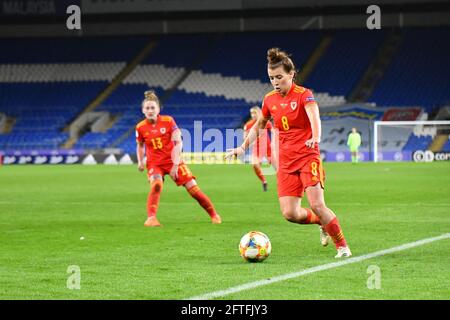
(255, 246)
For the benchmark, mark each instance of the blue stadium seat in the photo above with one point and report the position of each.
(418, 74)
(244, 54)
(446, 146)
(42, 111)
(345, 61)
(417, 143)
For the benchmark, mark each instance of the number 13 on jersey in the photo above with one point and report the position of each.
(157, 143)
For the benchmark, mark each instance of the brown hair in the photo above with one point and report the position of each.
(150, 95)
(276, 58)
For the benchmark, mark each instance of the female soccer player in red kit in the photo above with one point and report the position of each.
(261, 147)
(162, 140)
(296, 118)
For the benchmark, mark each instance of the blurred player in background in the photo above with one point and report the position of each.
(261, 147)
(354, 142)
(296, 117)
(163, 145)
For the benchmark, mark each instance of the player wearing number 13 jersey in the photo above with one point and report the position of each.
(162, 140)
(296, 118)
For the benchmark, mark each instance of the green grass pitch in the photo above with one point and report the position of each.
(45, 210)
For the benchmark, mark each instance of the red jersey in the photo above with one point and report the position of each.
(292, 122)
(157, 138)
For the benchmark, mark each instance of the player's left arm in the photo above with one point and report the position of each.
(312, 110)
(176, 152)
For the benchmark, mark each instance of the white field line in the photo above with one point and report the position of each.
(260, 283)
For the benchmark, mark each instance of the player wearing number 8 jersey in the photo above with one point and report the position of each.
(160, 138)
(296, 118)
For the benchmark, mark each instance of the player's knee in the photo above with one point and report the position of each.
(191, 183)
(156, 186)
(192, 188)
(318, 207)
(289, 214)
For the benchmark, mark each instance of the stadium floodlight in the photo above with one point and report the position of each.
(397, 137)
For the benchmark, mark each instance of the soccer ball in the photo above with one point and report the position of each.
(255, 246)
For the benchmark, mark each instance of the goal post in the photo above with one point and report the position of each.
(403, 137)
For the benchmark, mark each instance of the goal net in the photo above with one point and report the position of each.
(420, 141)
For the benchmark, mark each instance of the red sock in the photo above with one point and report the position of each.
(311, 217)
(203, 200)
(153, 197)
(335, 232)
(259, 174)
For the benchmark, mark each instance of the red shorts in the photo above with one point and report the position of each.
(294, 183)
(184, 174)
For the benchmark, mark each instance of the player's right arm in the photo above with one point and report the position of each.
(140, 151)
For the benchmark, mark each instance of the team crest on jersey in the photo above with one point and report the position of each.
(162, 130)
(293, 105)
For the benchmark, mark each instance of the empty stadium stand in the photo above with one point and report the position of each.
(418, 74)
(45, 83)
(214, 78)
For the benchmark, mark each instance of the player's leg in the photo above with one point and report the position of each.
(186, 179)
(293, 212)
(290, 194)
(354, 153)
(203, 200)
(156, 186)
(258, 171)
(330, 222)
(256, 164)
(313, 177)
